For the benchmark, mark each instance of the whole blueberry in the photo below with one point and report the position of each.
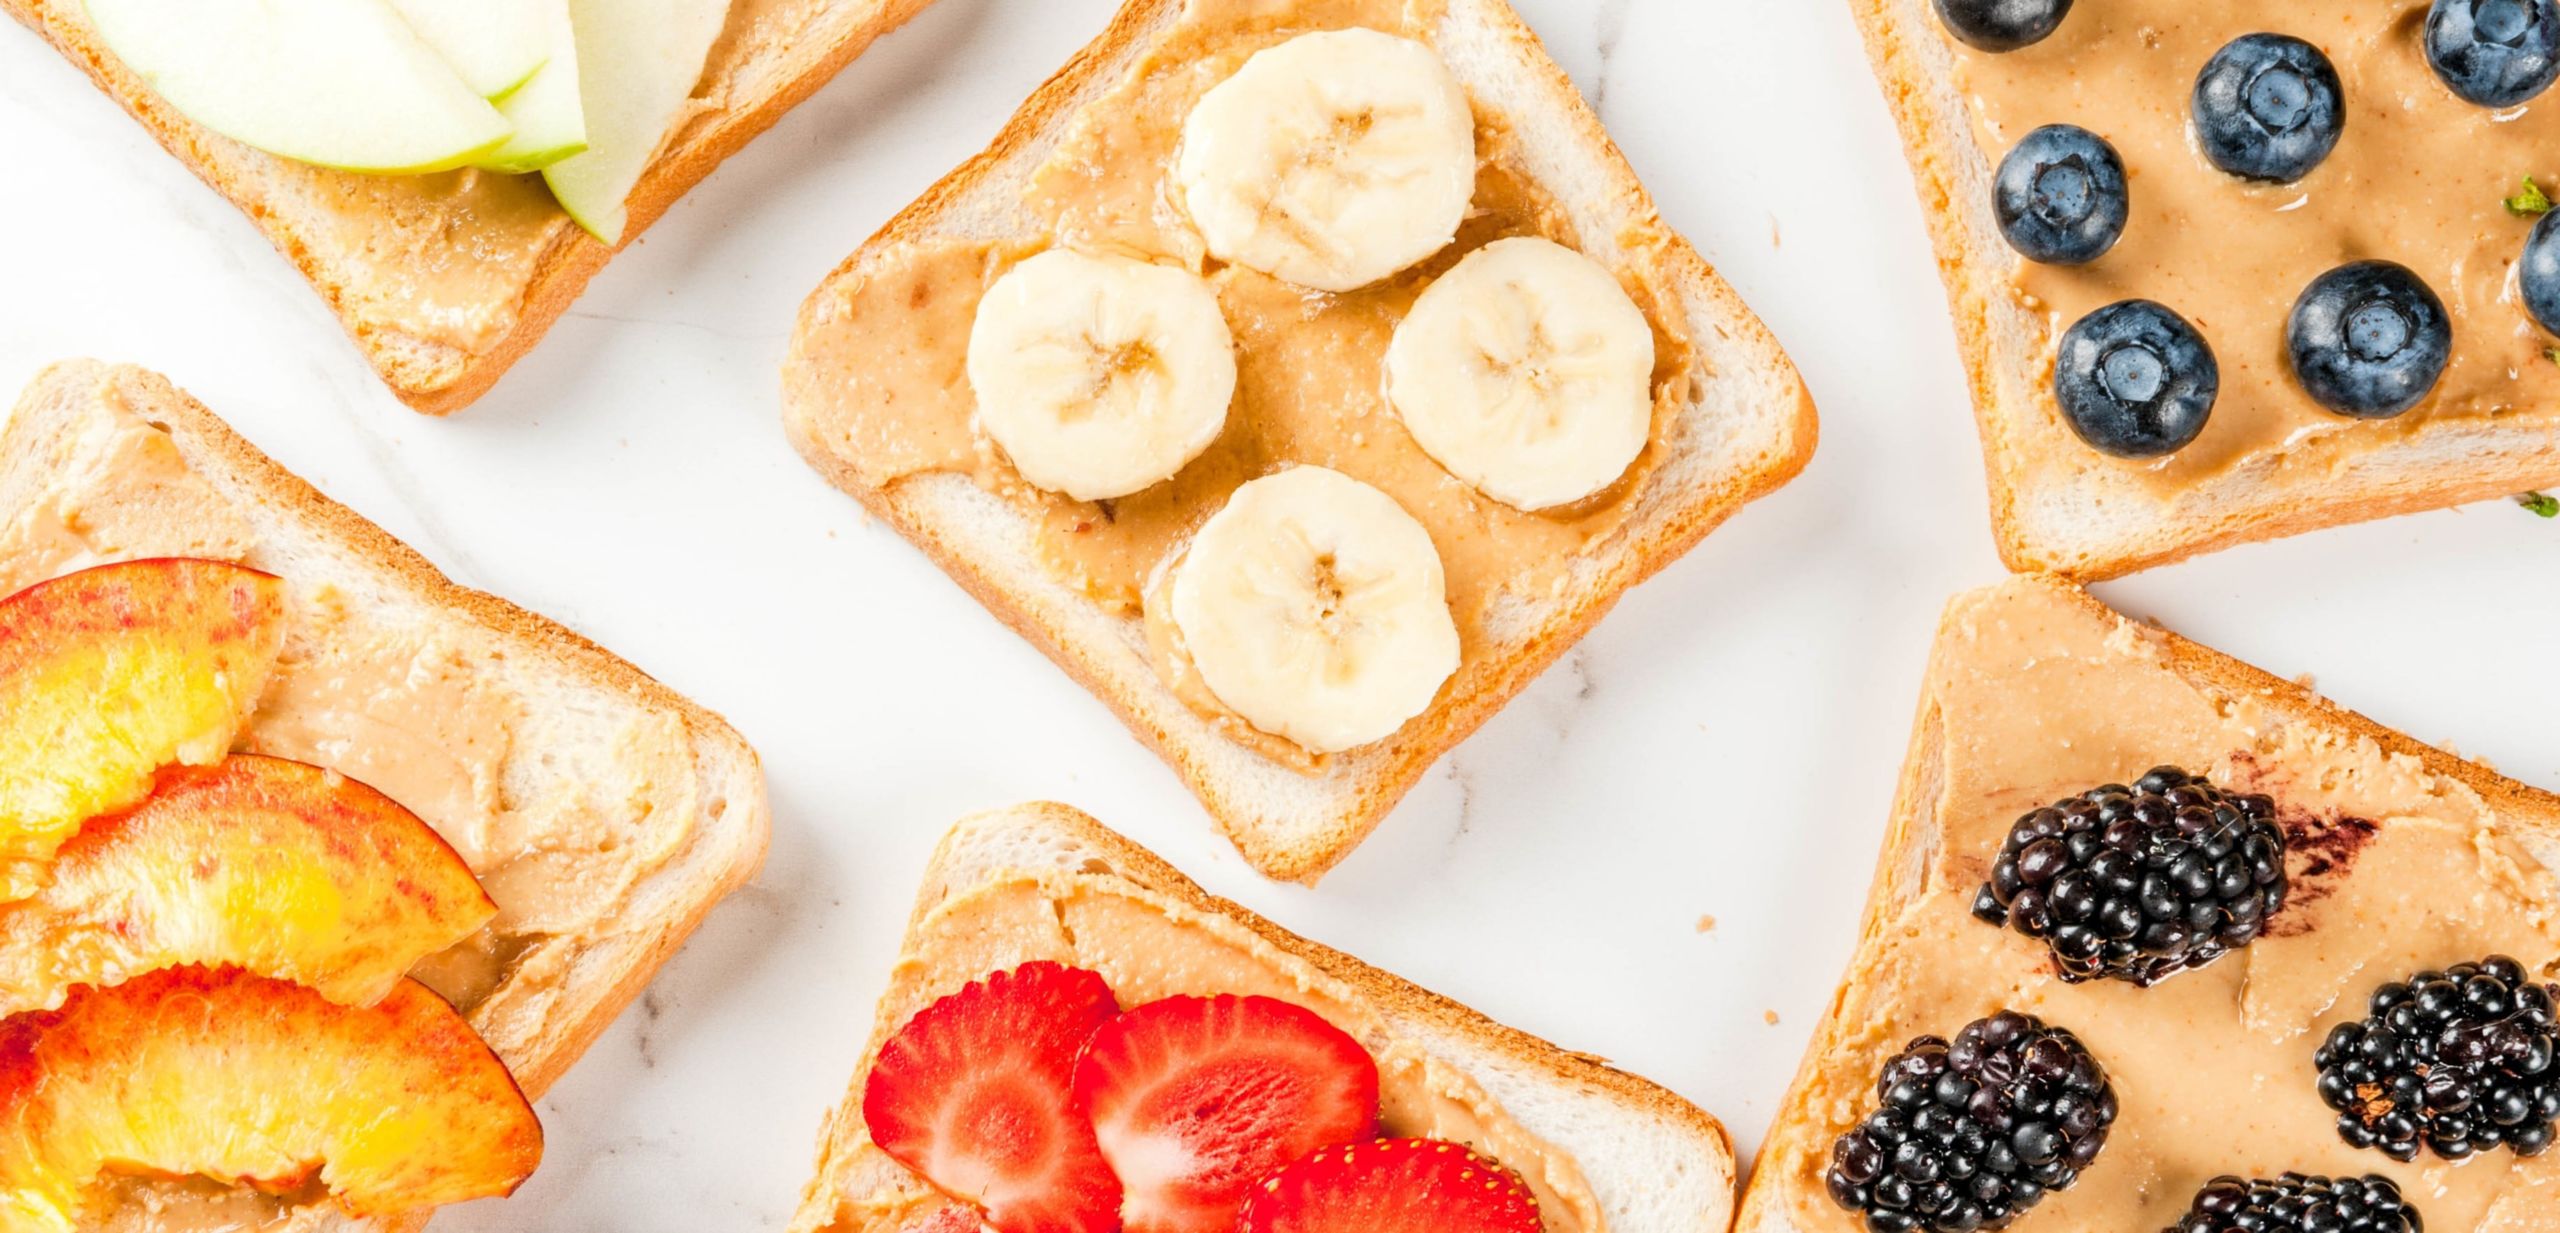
(2269, 107)
(2060, 195)
(2496, 53)
(2002, 25)
(2135, 380)
(2368, 339)
(2538, 273)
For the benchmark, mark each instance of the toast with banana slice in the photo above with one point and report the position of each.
(1041, 889)
(1303, 377)
(602, 814)
(445, 280)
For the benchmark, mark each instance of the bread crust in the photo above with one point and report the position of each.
(2448, 464)
(450, 378)
(1364, 784)
(1107, 853)
(1913, 836)
(211, 444)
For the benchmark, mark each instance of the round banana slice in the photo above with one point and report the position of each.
(1099, 376)
(1331, 160)
(1527, 372)
(1314, 606)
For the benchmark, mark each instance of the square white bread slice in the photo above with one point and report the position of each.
(1747, 427)
(446, 280)
(2401, 858)
(1652, 1162)
(604, 813)
(2059, 506)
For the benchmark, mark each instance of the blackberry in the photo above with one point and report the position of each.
(2458, 1061)
(1969, 1134)
(2299, 1203)
(2140, 883)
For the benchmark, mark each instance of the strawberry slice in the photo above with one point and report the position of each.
(1196, 1099)
(1392, 1186)
(974, 1094)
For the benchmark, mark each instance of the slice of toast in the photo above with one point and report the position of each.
(2061, 507)
(2402, 857)
(604, 813)
(445, 281)
(1653, 1162)
(1746, 427)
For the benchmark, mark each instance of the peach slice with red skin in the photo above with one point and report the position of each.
(243, 1080)
(275, 867)
(112, 673)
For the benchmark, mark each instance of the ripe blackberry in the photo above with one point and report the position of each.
(2299, 1203)
(2460, 1061)
(1969, 1134)
(2140, 883)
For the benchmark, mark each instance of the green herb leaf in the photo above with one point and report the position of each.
(2531, 202)
(2540, 504)
(2552, 354)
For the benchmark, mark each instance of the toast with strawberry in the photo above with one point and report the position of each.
(1077, 1038)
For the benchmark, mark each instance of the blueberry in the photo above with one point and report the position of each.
(2060, 196)
(2538, 272)
(2496, 53)
(2002, 25)
(2368, 339)
(2135, 380)
(2269, 107)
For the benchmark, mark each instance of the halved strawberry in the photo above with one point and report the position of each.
(1196, 1099)
(973, 1094)
(1392, 1186)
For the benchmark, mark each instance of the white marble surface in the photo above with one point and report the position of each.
(1724, 745)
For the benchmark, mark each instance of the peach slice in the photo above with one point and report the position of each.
(283, 869)
(109, 674)
(246, 1081)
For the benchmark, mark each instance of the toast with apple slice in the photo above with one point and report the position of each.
(2047, 719)
(602, 814)
(1068, 908)
(445, 280)
(1082, 195)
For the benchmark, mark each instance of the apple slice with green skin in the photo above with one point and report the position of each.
(339, 83)
(638, 62)
(278, 868)
(110, 674)
(494, 46)
(219, 1074)
(550, 118)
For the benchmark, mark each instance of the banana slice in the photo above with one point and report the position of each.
(1527, 372)
(1099, 376)
(1314, 606)
(1331, 160)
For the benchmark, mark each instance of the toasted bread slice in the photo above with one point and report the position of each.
(1652, 1162)
(2061, 507)
(2402, 858)
(445, 281)
(603, 813)
(1746, 426)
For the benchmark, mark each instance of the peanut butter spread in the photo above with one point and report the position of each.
(2417, 178)
(885, 356)
(1149, 947)
(2393, 868)
(427, 712)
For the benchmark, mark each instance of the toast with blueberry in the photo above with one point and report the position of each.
(2204, 293)
(2158, 940)
(1167, 1060)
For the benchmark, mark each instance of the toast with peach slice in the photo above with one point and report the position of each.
(1040, 889)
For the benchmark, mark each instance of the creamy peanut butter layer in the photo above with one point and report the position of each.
(2417, 178)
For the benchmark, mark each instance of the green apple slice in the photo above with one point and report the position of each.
(550, 119)
(493, 45)
(638, 62)
(340, 83)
